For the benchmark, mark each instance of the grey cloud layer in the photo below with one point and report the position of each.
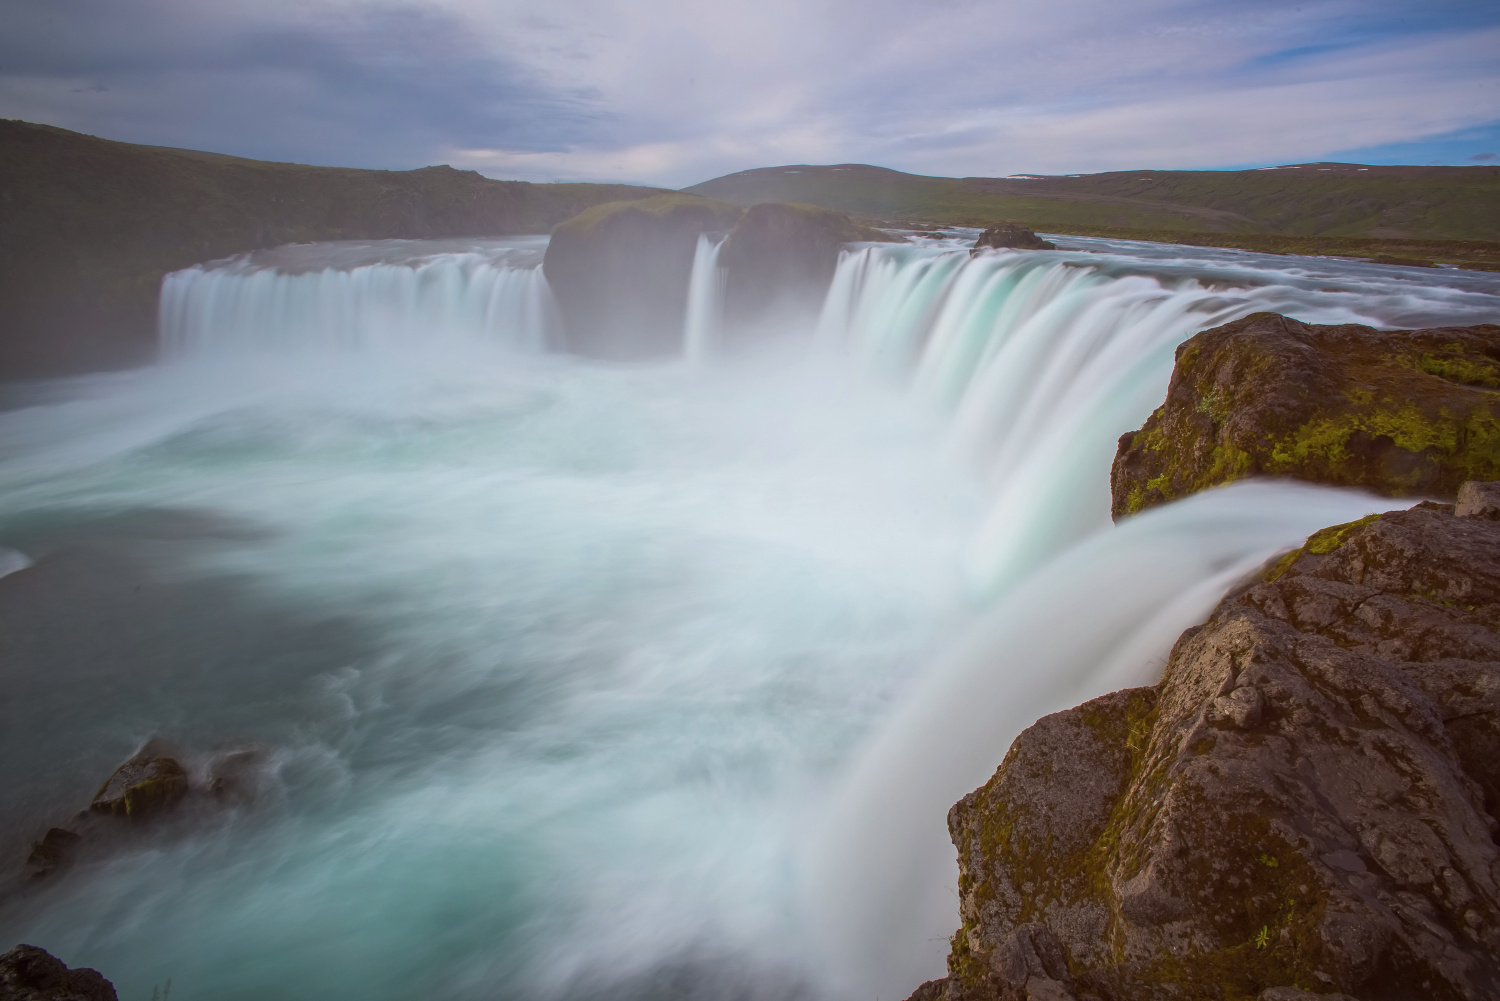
(679, 90)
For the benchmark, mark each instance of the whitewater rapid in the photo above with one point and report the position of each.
(573, 679)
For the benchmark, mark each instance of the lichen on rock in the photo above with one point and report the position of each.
(1305, 805)
(1400, 412)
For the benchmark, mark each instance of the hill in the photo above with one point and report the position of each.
(1318, 202)
(88, 227)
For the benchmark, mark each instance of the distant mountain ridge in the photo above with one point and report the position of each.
(1304, 200)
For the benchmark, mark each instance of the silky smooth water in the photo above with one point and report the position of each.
(574, 680)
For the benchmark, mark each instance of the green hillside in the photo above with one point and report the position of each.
(1309, 200)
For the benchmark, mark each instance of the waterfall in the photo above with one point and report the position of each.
(1098, 618)
(492, 296)
(592, 679)
(1042, 361)
(705, 305)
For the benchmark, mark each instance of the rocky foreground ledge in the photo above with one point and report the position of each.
(1304, 806)
(31, 974)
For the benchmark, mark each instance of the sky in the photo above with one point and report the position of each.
(672, 92)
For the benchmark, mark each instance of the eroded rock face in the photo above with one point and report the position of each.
(1306, 803)
(779, 260)
(1401, 412)
(1009, 235)
(31, 974)
(620, 272)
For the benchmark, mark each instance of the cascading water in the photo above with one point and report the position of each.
(705, 305)
(574, 680)
(389, 295)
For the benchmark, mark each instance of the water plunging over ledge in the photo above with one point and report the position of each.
(576, 679)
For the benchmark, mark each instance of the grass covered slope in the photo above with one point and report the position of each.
(1311, 202)
(88, 227)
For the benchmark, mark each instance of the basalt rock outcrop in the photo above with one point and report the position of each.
(620, 272)
(153, 783)
(88, 227)
(1007, 235)
(1401, 412)
(779, 260)
(28, 973)
(150, 782)
(1305, 806)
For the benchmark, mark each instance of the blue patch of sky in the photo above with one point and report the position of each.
(1376, 25)
(1464, 148)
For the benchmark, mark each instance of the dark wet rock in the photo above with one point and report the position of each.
(1305, 806)
(1401, 412)
(620, 272)
(31, 974)
(1008, 235)
(52, 852)
(778, 262)
(150, 782)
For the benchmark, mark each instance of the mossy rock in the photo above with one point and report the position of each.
(151, 782)
(1400, 412)
(620, 272)
(779, 261)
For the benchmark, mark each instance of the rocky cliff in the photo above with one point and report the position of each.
(88, 227)
(1305, 805)
(1402, 412)
(779, 260)
(621, 271)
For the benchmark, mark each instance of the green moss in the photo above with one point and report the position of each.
(1215, 406)
(1328, 539)
(1461, 370)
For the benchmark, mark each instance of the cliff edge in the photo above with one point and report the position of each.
(1305, 805)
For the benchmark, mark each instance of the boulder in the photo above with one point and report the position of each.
(1305, 806)
(1400, 412)
(150, 782)
(1009, 236)
(778, 262)
(52, 851)
(31, 974)
(620, 272)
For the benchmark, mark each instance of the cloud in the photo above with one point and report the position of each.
(676, 91)
(1485, 157)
